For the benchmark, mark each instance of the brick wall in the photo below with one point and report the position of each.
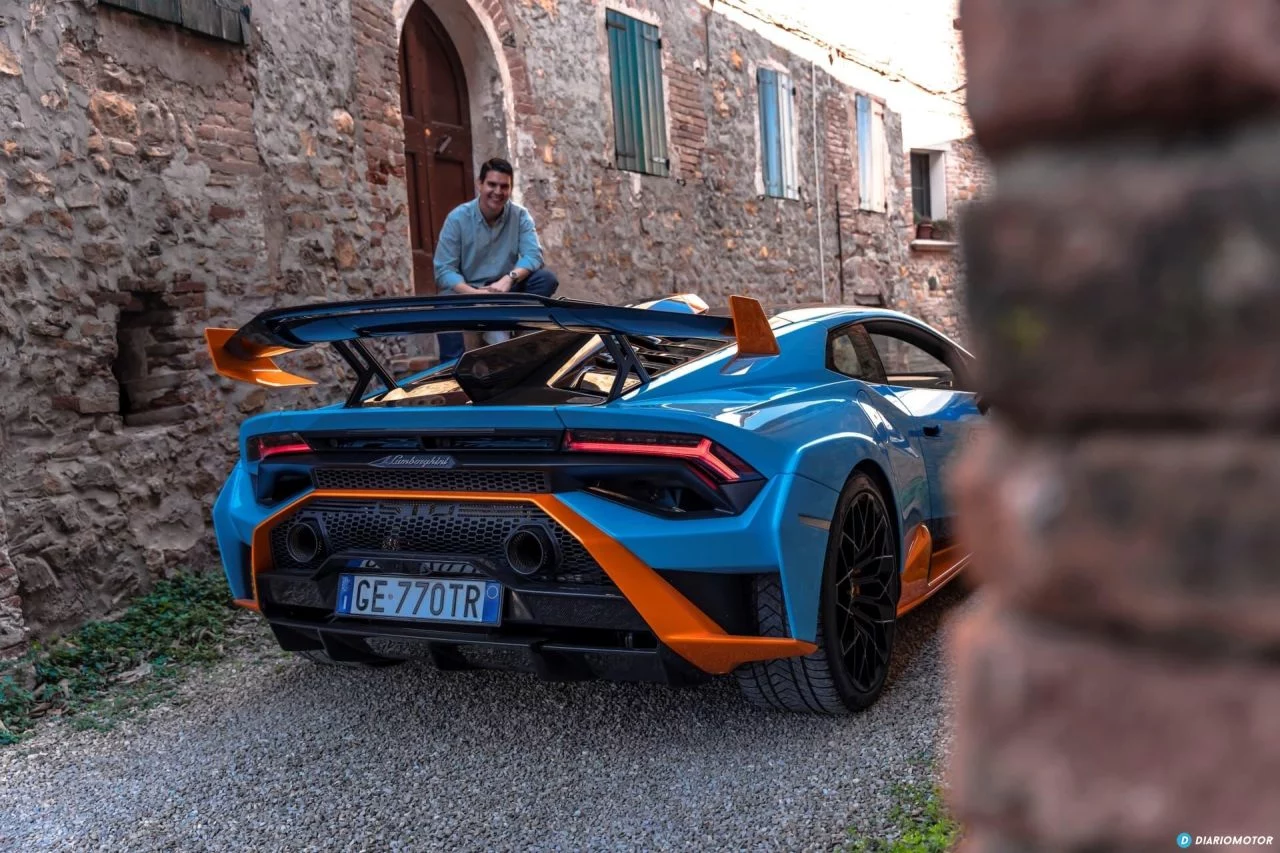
(158, 182)
(1119, 683)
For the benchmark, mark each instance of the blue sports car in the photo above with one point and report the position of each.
(651, 492)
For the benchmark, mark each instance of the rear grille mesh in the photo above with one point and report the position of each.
(442, 529)
(474, 480)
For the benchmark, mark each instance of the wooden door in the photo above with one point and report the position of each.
(437, 135)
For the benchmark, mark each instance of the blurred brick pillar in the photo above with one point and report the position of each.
(1121, 682)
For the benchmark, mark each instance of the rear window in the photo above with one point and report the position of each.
(553, 367)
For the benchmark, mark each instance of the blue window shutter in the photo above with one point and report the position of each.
(770, 138)
(639, 118)
(787, 133)
(863, 105)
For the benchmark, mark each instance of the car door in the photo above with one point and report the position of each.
(851, 353)
(929, 377)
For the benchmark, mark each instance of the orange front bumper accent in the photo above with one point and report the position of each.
(680, 625)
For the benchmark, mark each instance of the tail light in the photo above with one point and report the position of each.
(709, 458)
(260, 447)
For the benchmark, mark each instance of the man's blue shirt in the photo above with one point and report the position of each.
(471, 250)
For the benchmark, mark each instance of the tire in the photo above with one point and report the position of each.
(319, 656)
(842, 676)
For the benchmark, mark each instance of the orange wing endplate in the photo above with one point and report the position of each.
(259, 369)
(751, 327)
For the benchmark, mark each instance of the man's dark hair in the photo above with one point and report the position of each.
(497, 164)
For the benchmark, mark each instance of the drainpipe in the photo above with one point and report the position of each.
(817, 180)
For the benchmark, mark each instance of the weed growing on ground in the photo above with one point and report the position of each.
(921, 821)
(107, 669)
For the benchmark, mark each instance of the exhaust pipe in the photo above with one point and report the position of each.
(303, 542)
(531, 549)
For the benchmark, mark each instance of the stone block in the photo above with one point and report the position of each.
(1042, 71)
(1131, 284)
(83, 195)
(1089, 743)
(114, 115)
(1171, 537)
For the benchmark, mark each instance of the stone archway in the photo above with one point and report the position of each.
(494, 71)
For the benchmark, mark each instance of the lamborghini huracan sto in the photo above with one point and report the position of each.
(654, 492)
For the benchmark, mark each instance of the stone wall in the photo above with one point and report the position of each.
(155, 181)
(1119, 684)
(622, 236)
(935, 276)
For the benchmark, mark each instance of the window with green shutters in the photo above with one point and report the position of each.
(639, 121)
(777, 134)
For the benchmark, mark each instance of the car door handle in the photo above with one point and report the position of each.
(933, 431)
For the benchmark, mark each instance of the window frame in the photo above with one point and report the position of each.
(955, 359)
(937, 181)
(638, 105)
(922, 191)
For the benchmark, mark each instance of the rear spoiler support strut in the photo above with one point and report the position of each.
(366, 367)
(627, 362)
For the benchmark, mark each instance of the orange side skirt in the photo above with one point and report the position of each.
(679, 624)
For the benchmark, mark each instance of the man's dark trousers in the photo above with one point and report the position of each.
(541, 282)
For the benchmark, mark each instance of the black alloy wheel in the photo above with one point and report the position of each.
(864, 595)
(857, 615)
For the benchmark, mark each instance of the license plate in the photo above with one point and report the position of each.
(423, 599)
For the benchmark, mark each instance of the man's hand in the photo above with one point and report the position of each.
(502, 285)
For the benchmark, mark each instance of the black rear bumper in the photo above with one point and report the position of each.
(555, 634)
(548, 659)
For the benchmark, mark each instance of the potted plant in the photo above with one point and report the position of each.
(924, 228)
(943, 230)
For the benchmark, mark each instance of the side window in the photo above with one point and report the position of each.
(850, 351)
(908, 365)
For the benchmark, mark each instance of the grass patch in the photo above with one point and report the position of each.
(108, 669)
(921, 823)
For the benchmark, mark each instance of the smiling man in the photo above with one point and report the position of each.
(489, 245)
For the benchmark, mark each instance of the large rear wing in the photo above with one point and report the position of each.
(247, 354)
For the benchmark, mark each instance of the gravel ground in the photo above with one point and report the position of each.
(266, 752)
